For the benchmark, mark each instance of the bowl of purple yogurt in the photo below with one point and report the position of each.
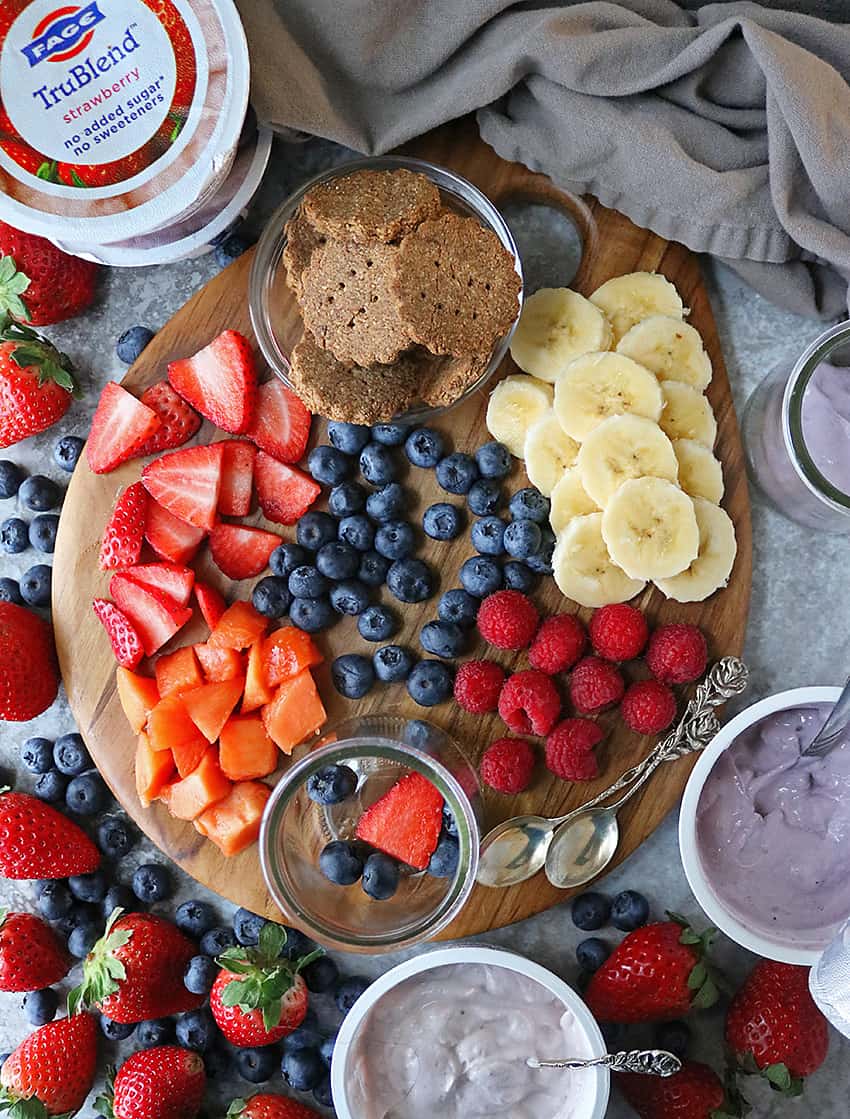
(764, 833)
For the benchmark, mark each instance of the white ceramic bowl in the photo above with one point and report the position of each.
(716, 909)
(440, 957)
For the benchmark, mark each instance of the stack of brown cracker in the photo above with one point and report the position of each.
(402, 299)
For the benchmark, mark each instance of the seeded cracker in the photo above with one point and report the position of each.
(301, 239)
(372, 205)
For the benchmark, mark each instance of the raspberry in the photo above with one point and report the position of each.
(569, 749)
(594, 685)
(619, 632)
(648, 707)
(478, 685)
(677, 654)
(529, 703)
(508, 620)
(558, 644)
(507, 765)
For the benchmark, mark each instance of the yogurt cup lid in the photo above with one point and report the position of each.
(116, 115)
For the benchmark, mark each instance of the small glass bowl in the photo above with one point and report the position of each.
(380, 749)
(275, 318)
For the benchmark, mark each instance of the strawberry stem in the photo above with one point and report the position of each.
(32, 351)
(16, 1108)
(702, 980)
(101, 970)
(103, 1103)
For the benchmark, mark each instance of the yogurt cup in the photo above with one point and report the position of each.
(586, 1090)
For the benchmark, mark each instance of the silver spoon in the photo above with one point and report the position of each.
(829, 735)
(647, 1062)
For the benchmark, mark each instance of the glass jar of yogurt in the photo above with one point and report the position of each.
(796, 432)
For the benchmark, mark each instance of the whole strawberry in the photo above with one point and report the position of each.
(166, 1082)
(774, 1028)
(36, 841)
(55, 286)
(55, 1065)
(695, 1092)
(268, 1105)
(259, 996)
(29, 675)
(36, 383)
(135, 971)
(31, 956)
(656, 974)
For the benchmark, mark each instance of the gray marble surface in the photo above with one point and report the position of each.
(797, 630)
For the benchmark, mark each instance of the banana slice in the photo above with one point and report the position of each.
(620, 448)
(569, 499)
(548, 452)
(630, 299)
(650, 529)
(515, 404)
(583, 569)
(596, 386)
(713, 565)
(556, 325)
(700, 474)
(671, 348)
(687, 414)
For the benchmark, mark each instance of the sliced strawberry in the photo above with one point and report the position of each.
(187, 483)
(285, 492)
(281, 424)
(120, 426)
(125, 530)
(241, 552)
(156, 616)
(125, 641)
(405, 822)
(210, 603)
(237, 473)
(171, 538)
(179, 421)
(170, 578)
(220, 381)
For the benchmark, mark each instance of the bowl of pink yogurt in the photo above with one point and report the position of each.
(764, 832)
(447, 1034)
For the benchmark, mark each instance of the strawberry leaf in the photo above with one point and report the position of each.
(103, 1103)
(76, 180)
(16, 1108)
(236, 1108)
(781, 1080)
(102, 970)
(13, 284)
(272, 941)
(34, 352)
(707, 995)
(47, 172)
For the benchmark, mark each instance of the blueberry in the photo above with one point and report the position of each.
(443, 639)
(114, 837)
(358, 531)
(493, 460)
(386, 504)
(328, 465)
(51, 786)
(484, 497)
(37, 755)
(348, 438)
(458, 606)
(523, 539)
(488, 536)
(519, 577)
(352, 675)
(675, 1037)
(529, 505)
(83, 938)
(231, 248)
(302, 1069)
(88, 887)
(457, 472)
(377, 623)
(424, 447)
(39, 493)
(391, 435)
(66, 453)
(42, 532)
(392, 664)
(132, 342)
(70, 755)
(297, 944)
(341, 863)
(321, 974)
(11, 477)
(216, 941)
(442, 521)
(592, 953)
(590, 911)
(286, 558)
(380, 876)
(86, 795)
(346, 499)
(116, 1031)
(410, 580)
(194, 918)
(394, 540)
(256, 1065)
(481, 576)
(152, 882)
(332, 784)
(312, 614)
(14, 536)
(373, 569)
(40, 1006)
(247, 926)
(541, 562)
(307, 582)
(195, 1029)
(54, 899)
(35, 585)
(200, 974)
(323, 1093)
(307, 1036)
(443, 862)
(154, 1032)
(430, 683)
(10, 591)
(377, 464)
(349, 597)
(315, 529)
(337, 560)
(3, 1058)
(118, 897)
(449, 821)
(326, 1049)
(270, 597)
(629, 910)
(349, 991)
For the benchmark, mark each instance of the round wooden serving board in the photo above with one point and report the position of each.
(613, 246)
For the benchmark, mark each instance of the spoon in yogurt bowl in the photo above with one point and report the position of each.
(831, 733)
(646, 1062)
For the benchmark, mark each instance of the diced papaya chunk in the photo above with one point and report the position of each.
(211, 705)
(238, 627)
(169, 724)
(154, 769)
(188, 798)
(187, 755)
(234, 823)
(295, 713)
(178, 672)
(286, 652)
(219, 663)
(245, 749)
(257, 691)
(138, 696)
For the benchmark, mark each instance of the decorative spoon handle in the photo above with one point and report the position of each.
(647, 1062)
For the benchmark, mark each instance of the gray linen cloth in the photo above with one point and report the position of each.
(726, 127)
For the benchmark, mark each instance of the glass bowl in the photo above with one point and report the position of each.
(380, 749)
(274, 313)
